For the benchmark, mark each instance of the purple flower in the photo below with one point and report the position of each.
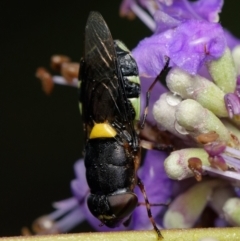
(187, 45)
(170, 13)
(180, 34)
(181, 10)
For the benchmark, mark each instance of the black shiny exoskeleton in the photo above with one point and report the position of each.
(111, 162)
(109, 97)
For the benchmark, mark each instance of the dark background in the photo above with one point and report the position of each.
(41, 136)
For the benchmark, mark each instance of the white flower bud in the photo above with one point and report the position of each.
(164, 113)
(176, 164)
(198, 120)
(197, 88)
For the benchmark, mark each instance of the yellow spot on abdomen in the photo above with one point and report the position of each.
(101, 130)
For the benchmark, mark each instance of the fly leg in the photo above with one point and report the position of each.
(148, 206)
(154, 204)
(158, 78)
(152, 138)
(156, 146)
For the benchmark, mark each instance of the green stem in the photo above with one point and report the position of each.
(220, 234)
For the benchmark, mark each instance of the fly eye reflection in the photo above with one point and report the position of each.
(113, 209)
(123, 204)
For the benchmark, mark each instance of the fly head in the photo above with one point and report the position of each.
(114, 209)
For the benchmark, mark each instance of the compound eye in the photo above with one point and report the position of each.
(122, 205)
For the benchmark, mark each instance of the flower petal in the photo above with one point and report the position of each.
(201, 9)
(79, 185)
(150, 54)
(187, 46)
(232, 103)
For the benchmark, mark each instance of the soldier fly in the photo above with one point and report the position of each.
(110, 104)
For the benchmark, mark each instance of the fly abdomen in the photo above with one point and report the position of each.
(108, 166)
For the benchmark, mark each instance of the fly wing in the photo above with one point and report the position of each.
(103, 94)
(100, 85)
(99, 49)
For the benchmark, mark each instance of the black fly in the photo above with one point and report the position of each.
(110, 103)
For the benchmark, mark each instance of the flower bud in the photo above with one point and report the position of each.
(185, 210)
(219, 198)
(231, 211)
(223, 72)
(176, 164)
(231, 128)
(198, 120)
(236, 58)
(164, 113)
(197, 88)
